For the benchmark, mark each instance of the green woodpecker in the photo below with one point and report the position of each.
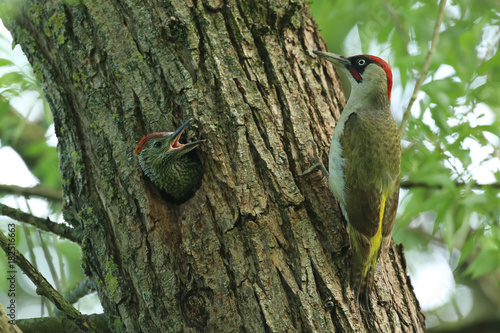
(364, 165)
(171, 165)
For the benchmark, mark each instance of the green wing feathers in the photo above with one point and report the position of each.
(371, 172)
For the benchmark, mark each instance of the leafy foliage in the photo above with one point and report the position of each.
(25, 130)
(24, 127)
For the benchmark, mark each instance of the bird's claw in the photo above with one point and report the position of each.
(318, 164)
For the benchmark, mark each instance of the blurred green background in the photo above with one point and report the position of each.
(28, 157)
(449, 211)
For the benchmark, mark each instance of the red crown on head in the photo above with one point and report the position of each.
(385, 66)
(145, 139)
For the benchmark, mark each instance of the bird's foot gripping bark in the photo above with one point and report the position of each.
(318, 164)
(364, 298)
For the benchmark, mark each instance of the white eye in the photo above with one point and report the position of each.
(361, 62)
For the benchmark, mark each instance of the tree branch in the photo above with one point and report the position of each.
(59, 229)
(486, 325)
(425, 68)
(6, 323)
(410, 184)
(43, 287)
(61, 324)
(80, 290)
(37, 191)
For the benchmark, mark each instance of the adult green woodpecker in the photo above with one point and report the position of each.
(364, 165)
(171, 165)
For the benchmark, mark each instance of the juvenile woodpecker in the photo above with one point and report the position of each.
(364, 165)
(171, 165)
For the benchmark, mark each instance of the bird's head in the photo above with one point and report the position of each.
(368, 74)
(158, 149)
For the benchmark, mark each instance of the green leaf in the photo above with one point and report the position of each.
(5, 62)
(11, 78)
(486, 261)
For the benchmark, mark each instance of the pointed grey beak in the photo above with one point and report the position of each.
(185, 147)
(181, 128)
(335, 58)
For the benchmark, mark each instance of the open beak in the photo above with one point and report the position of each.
(335, 58)
(184, 147)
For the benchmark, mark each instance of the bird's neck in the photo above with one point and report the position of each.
(375, 98)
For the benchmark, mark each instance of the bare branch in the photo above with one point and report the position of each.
(45, 224)
(37, 191)
(81, 289)
(43, 287)
(62, 324)
(411, 184)
(425, 68)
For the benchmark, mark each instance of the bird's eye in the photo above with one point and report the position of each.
(157, 144)
(361, 62)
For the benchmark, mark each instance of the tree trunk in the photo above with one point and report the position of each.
(258, 248)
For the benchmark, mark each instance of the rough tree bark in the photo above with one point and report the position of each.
(258, 248)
